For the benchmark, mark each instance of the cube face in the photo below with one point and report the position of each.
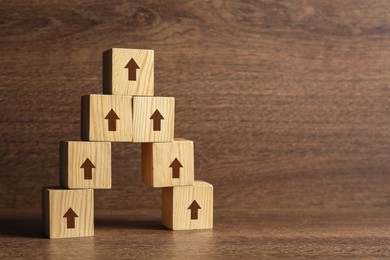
(128, 72)
(188, 207)
(85, 165)
(153, 119)
(107, 118)
(68, 213)
(168, 164)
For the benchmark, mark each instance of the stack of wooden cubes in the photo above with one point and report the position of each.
(126, 112)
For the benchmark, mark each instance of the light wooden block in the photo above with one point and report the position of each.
(153, 119)
(188, 207)
(168, 164)
(85, 165)
(128, 72)
(68, 213)
(107, 118)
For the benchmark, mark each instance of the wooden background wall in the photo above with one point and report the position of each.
(287, 101)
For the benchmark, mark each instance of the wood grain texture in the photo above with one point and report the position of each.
(287, 103)
(148, 110)
(293, 95)
(177, 211)
(262, 233)
(57, 202)
(73, 169)
(158, 163)
(107, 118)
(116, 80)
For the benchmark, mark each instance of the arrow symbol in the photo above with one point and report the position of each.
(194, 207)
(132, 67)
(157, 117)
(176, 165)
(87, 165)
(112, 117)
(70, 215)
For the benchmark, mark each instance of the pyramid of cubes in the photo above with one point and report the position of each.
(128, 111)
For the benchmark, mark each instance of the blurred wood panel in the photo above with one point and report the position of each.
(287, 101)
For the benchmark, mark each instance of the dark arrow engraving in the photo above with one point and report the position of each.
(87, 165)
(194, 207)
(132, 67)
(157, 117)
(70, 215)
(176, 165)
(112, 117)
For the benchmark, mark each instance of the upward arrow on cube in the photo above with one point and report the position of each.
(132, 67)
(112, 117)
(176, 165)
(70, 215)
(157, 117)
(194, 207)
(87, 165)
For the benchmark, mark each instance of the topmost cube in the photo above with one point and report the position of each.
(128, 72)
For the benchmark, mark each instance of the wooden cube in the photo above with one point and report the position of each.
(188, 207)
(153, 119)
(107, 118)
(128, 72)
(168, 164)
(85, 165)
(68, 213)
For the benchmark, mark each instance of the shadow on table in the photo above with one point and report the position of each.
(31, 227)
(129, 224)
(21, 227)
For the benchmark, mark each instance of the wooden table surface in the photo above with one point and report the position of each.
(287, 103)
(246, 233)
